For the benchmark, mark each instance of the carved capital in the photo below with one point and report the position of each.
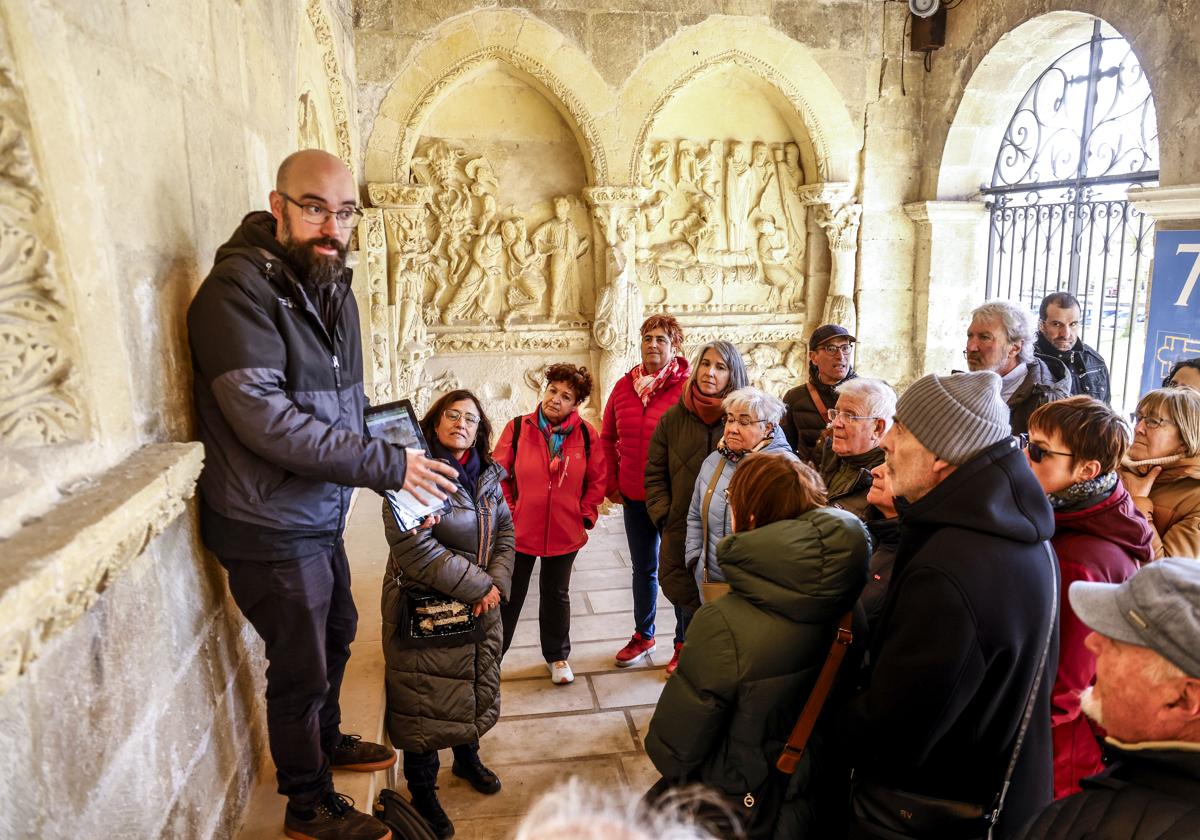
(840, 223)
(399, 195)
(827, 192)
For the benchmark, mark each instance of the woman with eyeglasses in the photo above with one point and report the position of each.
(439, 697)
(1162, 469)
(751, 425)
(683, 438)
(857, 423)
(1184, 374)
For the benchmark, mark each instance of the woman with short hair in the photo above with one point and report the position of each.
(1162, 470)
(554, 485)
(684, 437)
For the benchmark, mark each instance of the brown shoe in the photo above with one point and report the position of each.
(334, 818)
(353, 753)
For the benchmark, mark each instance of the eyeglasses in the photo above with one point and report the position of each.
(454, 415)
(1151, 422)
(741, 421)
(315, 214)
(836, 349)
(1037, 453)
(833, 414)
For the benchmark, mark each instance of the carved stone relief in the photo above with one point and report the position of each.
(333, 79)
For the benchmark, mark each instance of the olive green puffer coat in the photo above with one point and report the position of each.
(442, 697)
(752, 657)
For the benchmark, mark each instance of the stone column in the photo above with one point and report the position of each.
(619, 302)
(948, 279)
(397, 299)
(838, 215)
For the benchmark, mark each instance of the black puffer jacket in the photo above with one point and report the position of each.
(279, 396)
(802, 421)
(678, 447)
(1145, 794)
(1089, 373)
(441, 697)
(1046, 381)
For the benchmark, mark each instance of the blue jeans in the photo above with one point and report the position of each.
(643, 556)
(683, 618)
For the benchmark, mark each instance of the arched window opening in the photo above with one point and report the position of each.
(1083, 133)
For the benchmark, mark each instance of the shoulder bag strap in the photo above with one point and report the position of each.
(708, 494)
(516, 439)
(798, 740)
(817, 401)
(1033, 692)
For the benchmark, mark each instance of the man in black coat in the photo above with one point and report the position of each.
(276, 351)
(830, 348)
(968, 614)
(1147, 698)
(1059, 323)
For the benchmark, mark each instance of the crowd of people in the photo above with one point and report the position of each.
(978, 600)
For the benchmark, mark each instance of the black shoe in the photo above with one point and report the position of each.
(353, 753)
(481, 778)
(334, 817)
(425, 800)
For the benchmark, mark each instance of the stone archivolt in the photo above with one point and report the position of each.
(315, 10)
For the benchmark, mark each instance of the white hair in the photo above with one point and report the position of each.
(585, 812)
(1017, 322)
(760, 404)
(877, 396)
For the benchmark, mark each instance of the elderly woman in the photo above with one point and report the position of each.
(752, 657)
(684, 437)
(751, 425)
(858, 421)
(636, 404)
(449, 695)
(1162, 470)
(555, 484)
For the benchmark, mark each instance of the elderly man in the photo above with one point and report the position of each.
(857, 423)
(1147, 698)
(274, 334)
(1058, 338)
(829, 349)
(968, 628)
(1000, 339)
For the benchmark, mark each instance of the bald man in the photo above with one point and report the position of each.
(276, 351)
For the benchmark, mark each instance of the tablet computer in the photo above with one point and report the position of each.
(396, 422)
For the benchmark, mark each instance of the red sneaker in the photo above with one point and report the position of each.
(635, 651)
(674, 663)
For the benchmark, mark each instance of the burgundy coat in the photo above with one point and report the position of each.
(627, 428)
(1105, 543)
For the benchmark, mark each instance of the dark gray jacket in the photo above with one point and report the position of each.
(443, 697)
(1089, 373)
(1046, 381)
(279, 397)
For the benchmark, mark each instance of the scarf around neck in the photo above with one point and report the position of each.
(707, 408)
(648, 384)
(733, 455)
(1142, 468)
(1090, 492)
(555, 435)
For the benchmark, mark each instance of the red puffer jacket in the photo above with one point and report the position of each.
(1104, 543)
(551, 510)
(628, 426)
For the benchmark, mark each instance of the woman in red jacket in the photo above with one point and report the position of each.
(633, 409)
(1074, 449)
(555, 483)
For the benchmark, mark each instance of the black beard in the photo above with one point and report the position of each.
(314, 268)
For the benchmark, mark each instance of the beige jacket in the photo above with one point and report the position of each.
(1173, 509)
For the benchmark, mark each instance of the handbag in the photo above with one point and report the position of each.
(711, 589)
(880, 811)
(398, 814)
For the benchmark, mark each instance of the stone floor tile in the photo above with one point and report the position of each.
(585, 580)
(599, 558)
(641, 720)
(584, 628)
(586, 658)
(559, 736)
(579, 605)
(362, 698)
(640, 772)
(634, 687)
(540, 696)
(621, 600)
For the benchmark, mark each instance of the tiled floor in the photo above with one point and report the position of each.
(592, 728)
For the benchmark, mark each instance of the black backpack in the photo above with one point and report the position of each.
(516, 439)
(398, 814)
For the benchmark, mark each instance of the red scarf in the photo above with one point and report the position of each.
(648, 384)
(703, 406)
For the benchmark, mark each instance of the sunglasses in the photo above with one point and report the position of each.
(1037, 453)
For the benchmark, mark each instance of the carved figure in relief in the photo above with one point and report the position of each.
(527, 283)
(452, 210)
(560, 239)
(697, 227)
(688, 168)
(780, 274)
(709, 163)
(791, 179)
(739, 195)
(653, 211)
(657, 165)
(478, 283)
(484, 187)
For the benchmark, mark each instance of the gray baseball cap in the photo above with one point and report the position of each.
(1158, 608)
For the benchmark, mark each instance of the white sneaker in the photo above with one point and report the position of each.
(560, 672)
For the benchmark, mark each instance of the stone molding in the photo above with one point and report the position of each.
(532, 339)
(935, 212)
(397, 195)
(1167, 204)
(333, 79)
(57, 566)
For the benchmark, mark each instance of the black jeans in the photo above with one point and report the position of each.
(554, 609)
(421, 768)
(302, 608)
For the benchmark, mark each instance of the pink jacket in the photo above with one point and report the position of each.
(627, 428)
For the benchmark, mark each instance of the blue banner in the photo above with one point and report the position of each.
(1173, 327)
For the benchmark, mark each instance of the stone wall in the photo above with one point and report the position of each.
(133, 137)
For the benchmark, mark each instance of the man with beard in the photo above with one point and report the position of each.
(829, 350)
(279, 401)
(1058, 337)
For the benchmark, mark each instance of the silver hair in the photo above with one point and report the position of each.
(732, 358)
(585, 812)
(1017, 322)
(877, 396)
(760, 404)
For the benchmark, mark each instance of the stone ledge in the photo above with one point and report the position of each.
(1167, 204)
(55, 568)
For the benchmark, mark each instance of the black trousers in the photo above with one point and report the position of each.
(421, 768)
(554, 609)
(299, 601)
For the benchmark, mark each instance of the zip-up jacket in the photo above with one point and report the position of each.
(553, 507)
(279, 397)
(1089, 373)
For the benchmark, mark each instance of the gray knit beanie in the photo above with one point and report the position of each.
(955, 417)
